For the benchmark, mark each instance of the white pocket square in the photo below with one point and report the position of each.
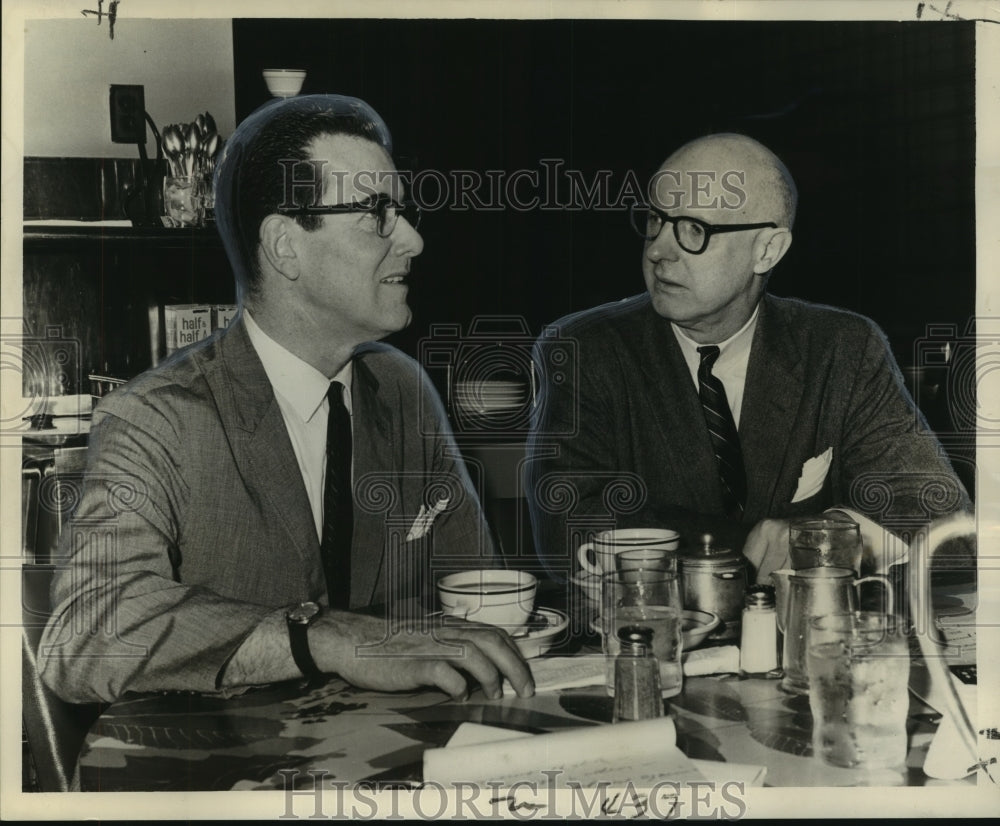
(813, 475)
(425, 518)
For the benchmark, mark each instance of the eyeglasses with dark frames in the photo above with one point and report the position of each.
(386, 210)
(691, 234)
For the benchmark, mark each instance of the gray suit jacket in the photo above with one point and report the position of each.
(194, 522)
(619, 437)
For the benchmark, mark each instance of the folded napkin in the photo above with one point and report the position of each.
(722, 660)
(555, 673)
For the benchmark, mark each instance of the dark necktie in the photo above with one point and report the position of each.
(338, 510)
(722, 428)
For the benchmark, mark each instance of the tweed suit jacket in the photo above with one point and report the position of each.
(194, 522)
(619, 438)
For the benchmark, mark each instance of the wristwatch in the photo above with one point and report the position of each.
(298, 620)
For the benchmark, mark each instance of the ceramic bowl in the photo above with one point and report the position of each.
(695, 626)
(284, 83)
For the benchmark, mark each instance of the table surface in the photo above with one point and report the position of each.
(191, 742)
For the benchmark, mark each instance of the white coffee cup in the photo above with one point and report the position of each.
(609, 543)
(490, 596)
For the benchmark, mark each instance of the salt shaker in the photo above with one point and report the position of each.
(637, 676)
(759, 635)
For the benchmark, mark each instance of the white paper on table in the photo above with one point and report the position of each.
(948, 756)
(719, 772)
(642, 753)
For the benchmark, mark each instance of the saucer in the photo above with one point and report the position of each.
(695, 626)
(590, 585)
(540, 632)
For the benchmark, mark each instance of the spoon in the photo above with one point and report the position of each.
(209, 148)
(173, 147)
(192, 140)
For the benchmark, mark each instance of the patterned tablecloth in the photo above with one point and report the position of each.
(189, 742)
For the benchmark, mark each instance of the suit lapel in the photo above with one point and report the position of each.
(774, 387)
(683, 442)
(375, 449)
(261, 447)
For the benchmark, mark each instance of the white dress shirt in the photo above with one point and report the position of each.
(301, 393)
(731, 366)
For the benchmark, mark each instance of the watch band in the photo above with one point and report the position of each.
(298, 620)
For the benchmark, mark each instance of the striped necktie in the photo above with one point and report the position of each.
(725, 439)
(338, 508)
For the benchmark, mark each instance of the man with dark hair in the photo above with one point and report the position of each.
(707, 405)
(278, 172)
(247, 502)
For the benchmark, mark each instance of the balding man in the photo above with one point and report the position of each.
(707, 405)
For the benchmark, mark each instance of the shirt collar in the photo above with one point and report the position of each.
(300, 384)
(738, 344)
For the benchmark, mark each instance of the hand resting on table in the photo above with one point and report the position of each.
(367, 653)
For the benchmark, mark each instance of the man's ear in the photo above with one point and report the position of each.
(770, 248)
(277, 246)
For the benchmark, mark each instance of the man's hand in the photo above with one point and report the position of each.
(767, 548)
(364, 652)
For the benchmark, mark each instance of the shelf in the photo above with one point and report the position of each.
(44, 236)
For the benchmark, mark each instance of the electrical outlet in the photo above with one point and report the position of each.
(128, 114)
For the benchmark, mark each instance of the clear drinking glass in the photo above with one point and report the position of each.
(208, 198)
(646, 598)
(859, 669)
(182, 200)
(825, 543)
(656, 559)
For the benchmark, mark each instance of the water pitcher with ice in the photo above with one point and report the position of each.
(812, 592)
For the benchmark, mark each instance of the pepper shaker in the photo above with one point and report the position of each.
(637, 676)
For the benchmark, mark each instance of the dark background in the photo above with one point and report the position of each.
(875, 120)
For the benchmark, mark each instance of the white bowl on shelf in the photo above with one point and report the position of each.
(284, 83)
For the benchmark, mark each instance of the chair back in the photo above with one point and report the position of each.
(55, 730)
